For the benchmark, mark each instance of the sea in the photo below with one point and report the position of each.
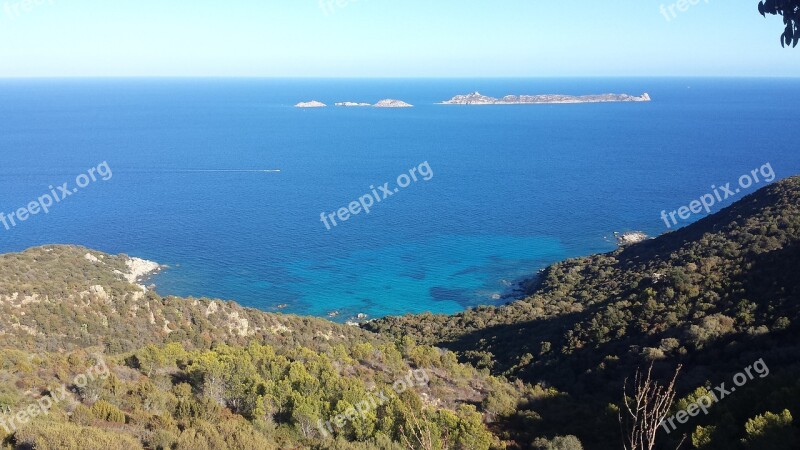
(227, 184)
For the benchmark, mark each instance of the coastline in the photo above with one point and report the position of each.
(518, 288)
(138, 271)
(141, 270)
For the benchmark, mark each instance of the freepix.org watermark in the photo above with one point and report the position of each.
(330, 6)
(669, 12)
(43, 405)
(719, 195)
(367, 201)
(15, 9)
(55, 196)
(715, 395)
(414, 378)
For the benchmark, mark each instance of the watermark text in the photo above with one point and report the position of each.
(55, 196)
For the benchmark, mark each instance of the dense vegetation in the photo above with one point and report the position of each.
(545, 372)
(199, 373)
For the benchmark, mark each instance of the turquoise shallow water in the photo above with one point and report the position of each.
(513, 189)
(413, 276)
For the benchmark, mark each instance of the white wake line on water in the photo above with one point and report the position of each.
(226, 170)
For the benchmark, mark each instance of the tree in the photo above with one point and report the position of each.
(149, 359)
(558, 443)
(645, 410)
(790, 10)
(772, 431)
(208, 372)
(703, 436)
(417, 434)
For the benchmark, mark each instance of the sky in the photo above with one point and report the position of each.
(389, 38)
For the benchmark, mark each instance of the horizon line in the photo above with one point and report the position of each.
(267, 77)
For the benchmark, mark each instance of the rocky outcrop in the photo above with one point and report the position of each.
(139, 269)
(630, 237)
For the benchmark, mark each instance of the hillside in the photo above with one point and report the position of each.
(714, 296)
(60, 298)
(185, 373)
(200, 373)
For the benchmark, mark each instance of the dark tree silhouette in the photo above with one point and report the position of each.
(790, 10)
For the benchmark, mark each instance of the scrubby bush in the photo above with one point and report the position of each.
(105, 411)
(558, 443)
(772, 431)
(45, 435)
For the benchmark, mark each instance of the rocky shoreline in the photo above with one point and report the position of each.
(630, 237)
(140, 269)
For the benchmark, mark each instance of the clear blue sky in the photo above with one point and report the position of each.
(389, 38)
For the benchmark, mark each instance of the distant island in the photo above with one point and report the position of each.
(311, 104)
(387, 103)
(476, 98)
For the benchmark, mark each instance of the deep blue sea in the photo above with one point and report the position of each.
(513, 188)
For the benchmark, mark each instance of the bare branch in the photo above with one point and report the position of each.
(646, 408)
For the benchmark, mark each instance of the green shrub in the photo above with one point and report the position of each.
(107, 412)
(558, 443)
(770, 431)
(82, 415)
(66, 436)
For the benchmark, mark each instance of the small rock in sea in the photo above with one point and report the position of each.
(333, 314)
(361, 316)
(496, 297)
